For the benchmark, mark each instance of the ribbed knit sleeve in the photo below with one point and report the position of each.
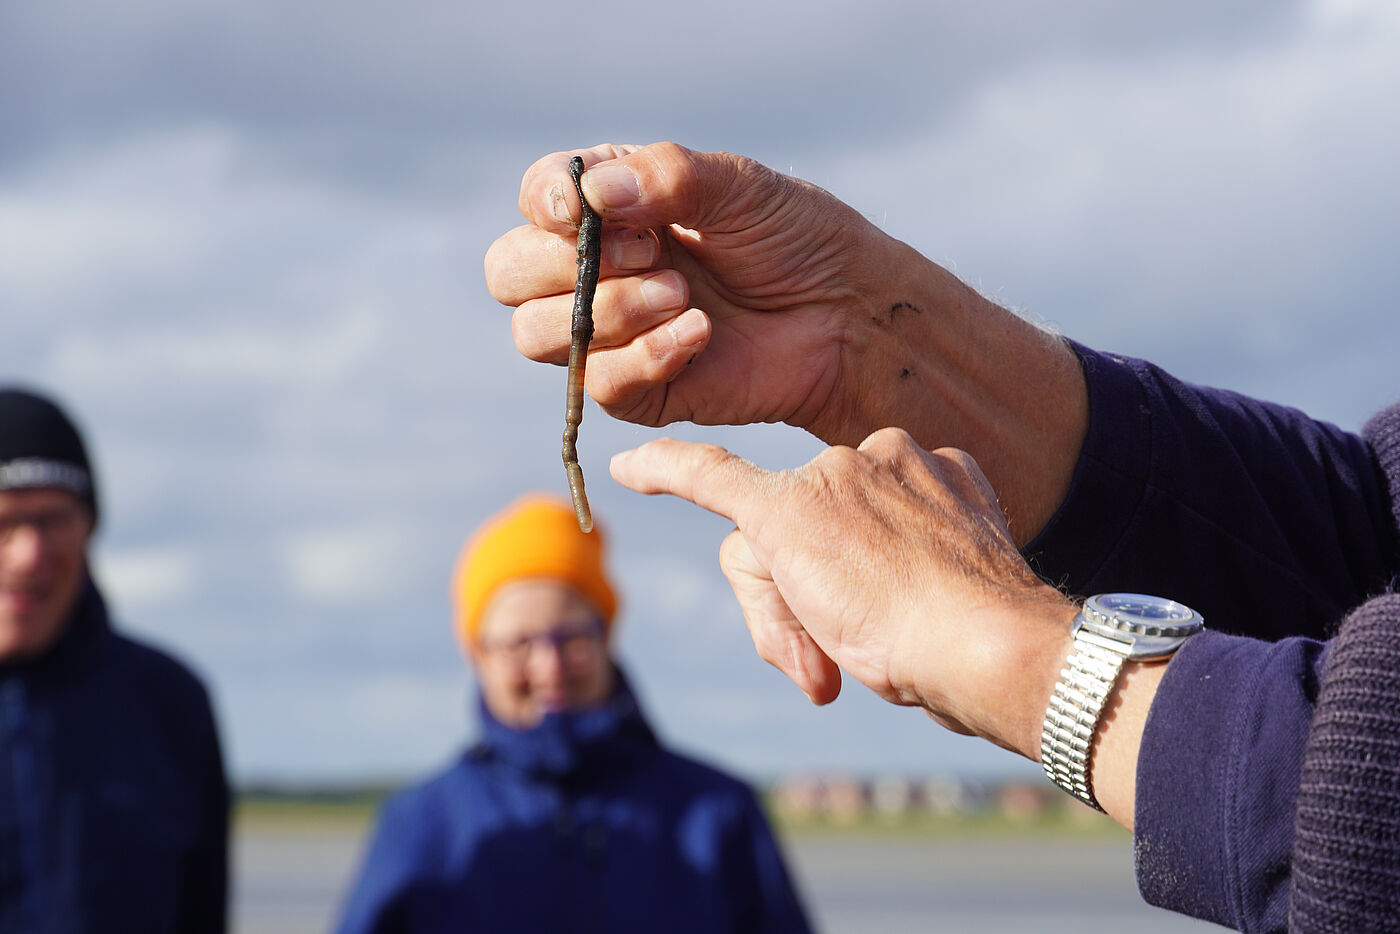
(1382, 433)
(1346, 860)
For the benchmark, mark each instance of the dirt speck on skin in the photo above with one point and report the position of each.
(897, 307)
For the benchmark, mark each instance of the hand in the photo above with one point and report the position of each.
(732, 294)
(890, 562)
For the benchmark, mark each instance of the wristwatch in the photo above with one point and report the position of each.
(1110, 629)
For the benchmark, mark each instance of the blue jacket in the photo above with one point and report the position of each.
(113, 802)
(583, 824)
(1274, 526)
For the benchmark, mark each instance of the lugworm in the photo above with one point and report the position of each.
(580, 334)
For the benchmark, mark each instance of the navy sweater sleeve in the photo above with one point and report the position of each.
(1274, 526)
(1217, 778)
(1294, 781)
(1269, 523)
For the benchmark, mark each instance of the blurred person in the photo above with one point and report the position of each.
(974, 457)
(113, 802)
(567, 814)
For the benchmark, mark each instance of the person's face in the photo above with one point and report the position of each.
(541, 648)
(43, 546)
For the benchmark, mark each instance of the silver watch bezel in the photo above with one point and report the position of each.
(1150, 627)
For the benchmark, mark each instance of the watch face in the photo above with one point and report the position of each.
(1144, 607)
(1143, 627)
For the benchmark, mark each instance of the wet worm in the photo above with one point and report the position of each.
(580, 334)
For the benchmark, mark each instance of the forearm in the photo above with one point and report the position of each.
(925, 352)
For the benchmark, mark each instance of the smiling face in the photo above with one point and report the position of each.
(541, 648)
(43, 553)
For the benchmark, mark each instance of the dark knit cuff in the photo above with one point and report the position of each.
(1346, 859)
(1382, 433)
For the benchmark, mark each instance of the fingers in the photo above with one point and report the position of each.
(527, 262)
(704, 474)
(647, 186)
(644, 318)
(777, 635)
(632, 382)
(547, 195)
(624, 310)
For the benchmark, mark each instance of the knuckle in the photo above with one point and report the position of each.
(838, 459)
(888, 441)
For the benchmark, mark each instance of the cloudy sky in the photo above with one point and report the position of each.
(243, 242)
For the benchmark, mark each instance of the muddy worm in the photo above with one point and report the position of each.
(580, 334)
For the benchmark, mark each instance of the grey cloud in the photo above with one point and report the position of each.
(388, 95)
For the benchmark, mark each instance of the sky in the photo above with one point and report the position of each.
(243, 243)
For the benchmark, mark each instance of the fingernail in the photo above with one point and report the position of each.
(633, 249)
(558, 207)
(609, 187)
(689, 328)
(663, 291)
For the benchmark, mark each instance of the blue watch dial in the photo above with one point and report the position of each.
(1145, 607)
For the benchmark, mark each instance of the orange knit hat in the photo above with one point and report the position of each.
(536, 536)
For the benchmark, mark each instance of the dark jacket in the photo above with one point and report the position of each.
(583, 824)
(1277, 528)
(113, 802)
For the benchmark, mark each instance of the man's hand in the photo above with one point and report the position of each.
(887, 561)
(729, 291)
(733, 294)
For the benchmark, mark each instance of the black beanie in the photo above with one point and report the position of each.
(40, 447)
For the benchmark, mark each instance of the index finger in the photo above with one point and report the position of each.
(705, 474)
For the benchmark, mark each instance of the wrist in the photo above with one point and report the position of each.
(927, 353)
(996, 681)
(1023, 685)
(1093, 725)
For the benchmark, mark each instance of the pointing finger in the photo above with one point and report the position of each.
(704, 474)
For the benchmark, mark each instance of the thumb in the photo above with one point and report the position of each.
(777, 633)
(667, 184)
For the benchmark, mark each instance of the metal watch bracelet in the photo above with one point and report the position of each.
(1072, 717)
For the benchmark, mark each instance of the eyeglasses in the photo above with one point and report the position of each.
(50, 525)
(576, 643)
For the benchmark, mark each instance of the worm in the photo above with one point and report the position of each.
(580, 334)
